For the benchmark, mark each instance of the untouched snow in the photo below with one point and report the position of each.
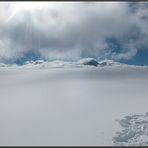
(72, 106)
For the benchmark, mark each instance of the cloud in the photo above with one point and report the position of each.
(73, 30)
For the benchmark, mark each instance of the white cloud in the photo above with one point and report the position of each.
(71, 30)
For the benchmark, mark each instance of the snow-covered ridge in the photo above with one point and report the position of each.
(85, 62)
(7, 65)
(109, 63)
(59, 64)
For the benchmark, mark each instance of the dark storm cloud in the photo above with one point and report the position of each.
(71, 30)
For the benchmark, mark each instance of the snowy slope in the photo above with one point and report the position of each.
(69, 106)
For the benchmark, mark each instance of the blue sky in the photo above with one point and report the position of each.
(141, 58)
(74, 30)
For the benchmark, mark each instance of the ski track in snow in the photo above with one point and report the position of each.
(135, 131)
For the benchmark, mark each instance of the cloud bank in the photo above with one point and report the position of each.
(73, 30)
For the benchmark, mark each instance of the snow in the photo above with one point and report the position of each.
(135, 132)
(107, 62)
(71, 105)
(51, 64)
(85, 62)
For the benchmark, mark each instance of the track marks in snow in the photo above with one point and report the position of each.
(134, 132)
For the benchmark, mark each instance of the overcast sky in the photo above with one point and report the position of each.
(73, 30)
